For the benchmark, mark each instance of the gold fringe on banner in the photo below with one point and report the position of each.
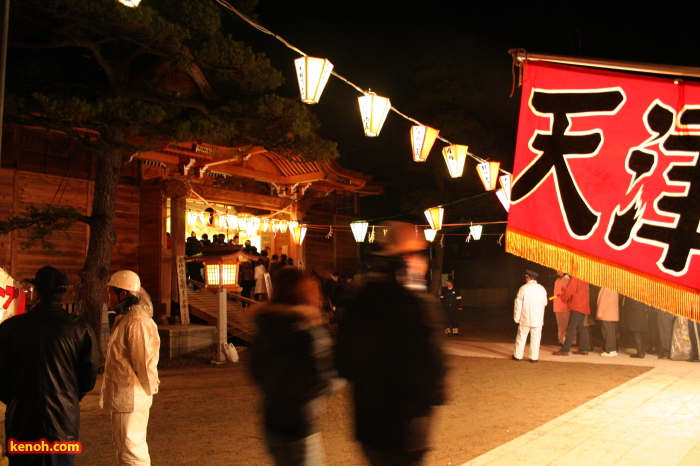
(663, 294)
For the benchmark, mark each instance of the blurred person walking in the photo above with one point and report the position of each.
(292, 361)
(389, 348)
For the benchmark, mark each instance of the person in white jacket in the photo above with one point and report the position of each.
(529, 313)
(131, 376)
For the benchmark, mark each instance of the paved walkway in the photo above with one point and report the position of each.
(653, 419)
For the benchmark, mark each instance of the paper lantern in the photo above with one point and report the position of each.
(455, 156)
(506, 183)
(488, 171)
(434, 216)
(422, 140)
(251, 226)
(130, 3)
(283, 226)
(374, 110)
(475, 231)
(359, 230)
(298, 233)
(503, 197)
(313, 74)
(430, 234)
(504, 193)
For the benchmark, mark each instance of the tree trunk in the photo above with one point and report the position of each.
(436, 268)
(90, 291)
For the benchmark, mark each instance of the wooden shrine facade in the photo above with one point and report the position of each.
(44, 168)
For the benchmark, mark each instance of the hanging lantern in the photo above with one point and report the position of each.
(130, 3)
(374, 110)
(191, 219)
(504, 193)
(359, 230)
(283, 226)
(265, 225)
(298, 233)
(430, 234)
(505, 184)
(503, 197)
(434, 216)
(251, 226)
(422, 140)
(488, 171)
(455, 156)
(274, 225)
(475, 231)
(313, 74)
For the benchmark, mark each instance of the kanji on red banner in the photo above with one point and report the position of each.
(607, 183)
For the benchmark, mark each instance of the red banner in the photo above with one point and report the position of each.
(607, 184)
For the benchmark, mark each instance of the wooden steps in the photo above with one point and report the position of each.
(205, 305)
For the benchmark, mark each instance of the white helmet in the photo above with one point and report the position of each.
(125, 280)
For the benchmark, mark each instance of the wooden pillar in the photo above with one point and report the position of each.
(178, 235)
(177, 192)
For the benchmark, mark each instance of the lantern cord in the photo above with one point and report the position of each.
(260, 28)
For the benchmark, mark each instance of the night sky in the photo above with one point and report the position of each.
(378, 45)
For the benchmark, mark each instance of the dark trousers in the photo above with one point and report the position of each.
(609, 330)
(576, 320)
(665, 322)
(638, 342)
(451, 315)
(247, 286)
(694, 334)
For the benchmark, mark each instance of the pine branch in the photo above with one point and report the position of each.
(41, 223)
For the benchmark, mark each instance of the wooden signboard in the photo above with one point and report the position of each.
(182, 290)
(268, 285)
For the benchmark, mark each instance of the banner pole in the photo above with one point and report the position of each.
(520, 55)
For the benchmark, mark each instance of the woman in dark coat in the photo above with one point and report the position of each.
(291, 360)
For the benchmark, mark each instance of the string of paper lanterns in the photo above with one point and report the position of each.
(313, 74)
(252, 225)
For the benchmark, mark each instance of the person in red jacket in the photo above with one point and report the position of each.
(575, 295)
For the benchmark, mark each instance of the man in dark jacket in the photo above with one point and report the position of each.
(48, 361)
(389, 348)
(451, 300)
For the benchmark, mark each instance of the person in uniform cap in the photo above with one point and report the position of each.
(389, 348)
(49, 361)
(528, 312)
(451, 302)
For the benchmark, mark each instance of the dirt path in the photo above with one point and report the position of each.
(209, 414)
